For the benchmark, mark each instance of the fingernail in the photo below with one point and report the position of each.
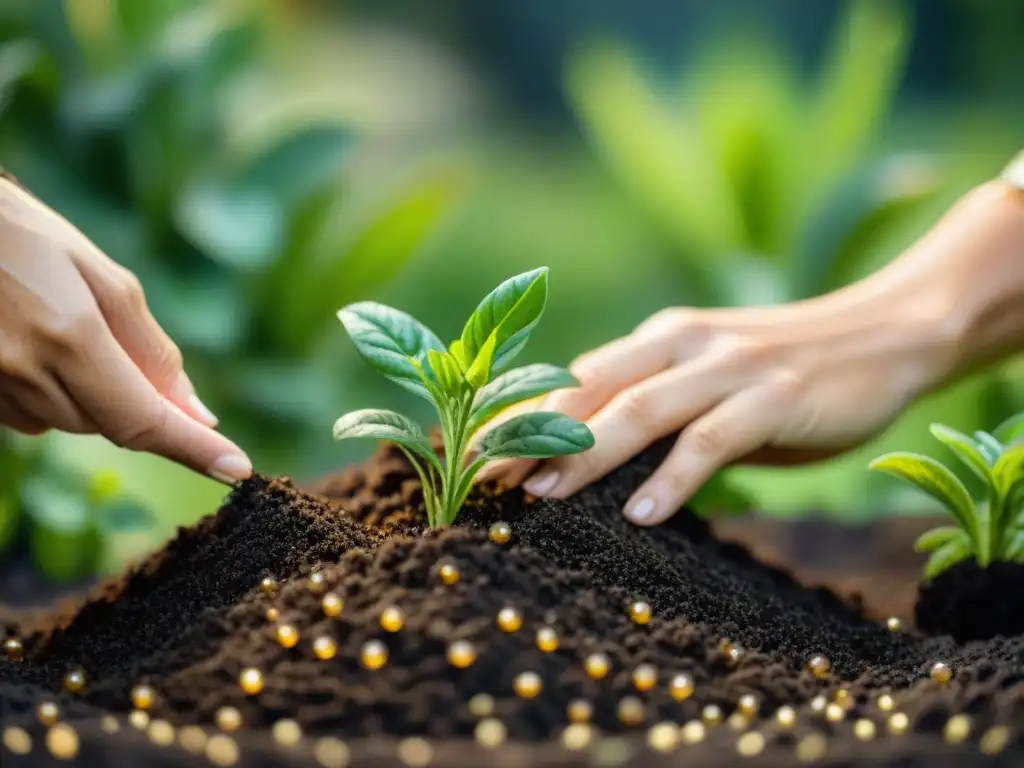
(205, 414)
(230, 468)
(641, 511)
(542, 484)
(185, 394)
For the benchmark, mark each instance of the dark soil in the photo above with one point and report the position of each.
(192, 617)
(971, 603)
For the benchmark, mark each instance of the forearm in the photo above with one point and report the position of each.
(960, 288)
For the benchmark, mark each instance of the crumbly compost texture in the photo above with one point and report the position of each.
(188, 621)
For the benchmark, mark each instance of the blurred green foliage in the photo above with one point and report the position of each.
(241, 237)
(768, 188)
(171, 134)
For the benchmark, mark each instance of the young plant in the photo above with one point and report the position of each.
(462, 383)
(990, 530)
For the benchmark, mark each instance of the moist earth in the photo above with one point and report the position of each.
(189, 619)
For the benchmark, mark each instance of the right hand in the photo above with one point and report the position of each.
(795, 382)
(80, 351)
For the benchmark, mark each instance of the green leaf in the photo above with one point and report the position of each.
(931, 540)
(240, 218)
(385, 425)
(1014, 551)
(657, 155)
(937, 481)
(539, 435)
(988, 446)
(853, 215)
(1011, 430)
(299, 163)
(389, 340)
(1009, 469)
(509, 312)
(124, 516)
(480, 370)
(446, 371)
(344, 269)
(516, 386)
(965, 449)
(240, 227)
(55, 507)
(946, 556)
(864, 64)
(16, 59)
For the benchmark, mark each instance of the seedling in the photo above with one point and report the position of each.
(990, 530)
(462, 383)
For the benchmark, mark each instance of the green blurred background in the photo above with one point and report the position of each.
(260, 163)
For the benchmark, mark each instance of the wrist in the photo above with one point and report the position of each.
(965, 280)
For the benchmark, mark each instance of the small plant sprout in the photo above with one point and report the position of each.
(468, 386)
(990, 530)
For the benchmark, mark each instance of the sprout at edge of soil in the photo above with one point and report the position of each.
(462, 384)
(991, 530)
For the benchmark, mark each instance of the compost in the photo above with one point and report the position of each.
(329, 627)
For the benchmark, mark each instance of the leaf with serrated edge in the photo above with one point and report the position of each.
(518, 385)
(385, 425)
(509, 312)
(946, 556)
(931, 540)
(389, 339)
(965, 450)
(937, 481)
(540, 435)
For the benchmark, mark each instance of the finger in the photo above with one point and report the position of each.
(738, 426)
(123, 304)
(43, 399)
(110, 389)
(14, 416)
(607, 370)
(634, 419)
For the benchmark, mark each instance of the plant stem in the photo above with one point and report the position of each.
(455, 446)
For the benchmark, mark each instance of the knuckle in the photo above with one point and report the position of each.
(587, 368)
(708, 439)
(141, 434)
(69, 330)
(672, 317)
(168, 358)
(128, 290)
(635, 405)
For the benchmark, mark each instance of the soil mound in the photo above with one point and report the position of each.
(193, 617)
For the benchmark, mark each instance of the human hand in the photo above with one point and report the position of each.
(80, 351)
(790, 383)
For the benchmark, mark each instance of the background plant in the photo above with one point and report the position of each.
(479, 82)
(769, 187)
(989, 530)
(238, 225)
(460, 382)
